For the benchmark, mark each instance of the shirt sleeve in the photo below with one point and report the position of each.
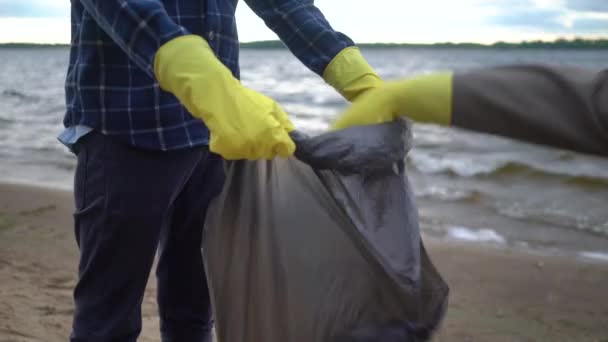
(303, 28)
(138, 27)
(565, 107)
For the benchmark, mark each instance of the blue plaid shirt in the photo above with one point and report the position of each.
(110, 84)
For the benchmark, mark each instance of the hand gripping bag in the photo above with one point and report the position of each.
(322, 247)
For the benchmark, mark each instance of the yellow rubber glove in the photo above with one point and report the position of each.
(243, 124)
(423, 99)
(350, 74)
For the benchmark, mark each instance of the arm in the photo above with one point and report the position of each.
(564, 107)
(139, 28)
(243, 124)
(304, 29)
(308, 35)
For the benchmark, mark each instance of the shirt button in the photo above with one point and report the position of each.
(211, 35)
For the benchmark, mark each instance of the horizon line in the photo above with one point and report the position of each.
(585, 42)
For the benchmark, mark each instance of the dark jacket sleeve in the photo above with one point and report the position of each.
(303, 28)
(138, 27)
(564, 107)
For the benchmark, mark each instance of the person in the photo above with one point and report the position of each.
(154, 106)
(555, 105)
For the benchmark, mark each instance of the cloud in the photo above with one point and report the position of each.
(552, 20)
(590, 25)
(588, 5)
(387, 21)
(34, 9)
(34, 30)
(545, 19)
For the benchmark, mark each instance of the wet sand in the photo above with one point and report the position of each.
(496, 294)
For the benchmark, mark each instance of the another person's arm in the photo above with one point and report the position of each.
(308, 35)
(559, 106)
(243, 123)
(565, 107)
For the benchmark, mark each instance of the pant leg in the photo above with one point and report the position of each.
(122, 197)
(184, 304)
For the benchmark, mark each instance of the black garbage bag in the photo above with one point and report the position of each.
(324, 248)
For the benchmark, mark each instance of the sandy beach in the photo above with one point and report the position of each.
(496, 294)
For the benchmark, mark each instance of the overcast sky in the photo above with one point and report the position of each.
(426, 21)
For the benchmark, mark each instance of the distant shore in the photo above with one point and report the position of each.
(574, 44)
(496, 294)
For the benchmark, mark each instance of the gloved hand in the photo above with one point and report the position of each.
(350, 74)
(424, 99)
(243, 124)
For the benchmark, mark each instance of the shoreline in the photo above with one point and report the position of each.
(454, 234)
(498, 293)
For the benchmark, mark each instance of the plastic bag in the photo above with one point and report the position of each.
(324, 248)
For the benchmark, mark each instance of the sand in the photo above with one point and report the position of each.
(496, 294)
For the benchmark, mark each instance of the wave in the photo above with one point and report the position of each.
(448, 194)
(578, 171)
(574, 177)
(472, 235)
(598, 256)
(559, 217)
(6, 121)
(12, 93)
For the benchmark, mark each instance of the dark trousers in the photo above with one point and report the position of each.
(129, 203)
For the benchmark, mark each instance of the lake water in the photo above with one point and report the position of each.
(469, 186)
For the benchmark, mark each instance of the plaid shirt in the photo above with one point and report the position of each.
(110, 84)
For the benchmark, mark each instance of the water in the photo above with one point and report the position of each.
(469, 186)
